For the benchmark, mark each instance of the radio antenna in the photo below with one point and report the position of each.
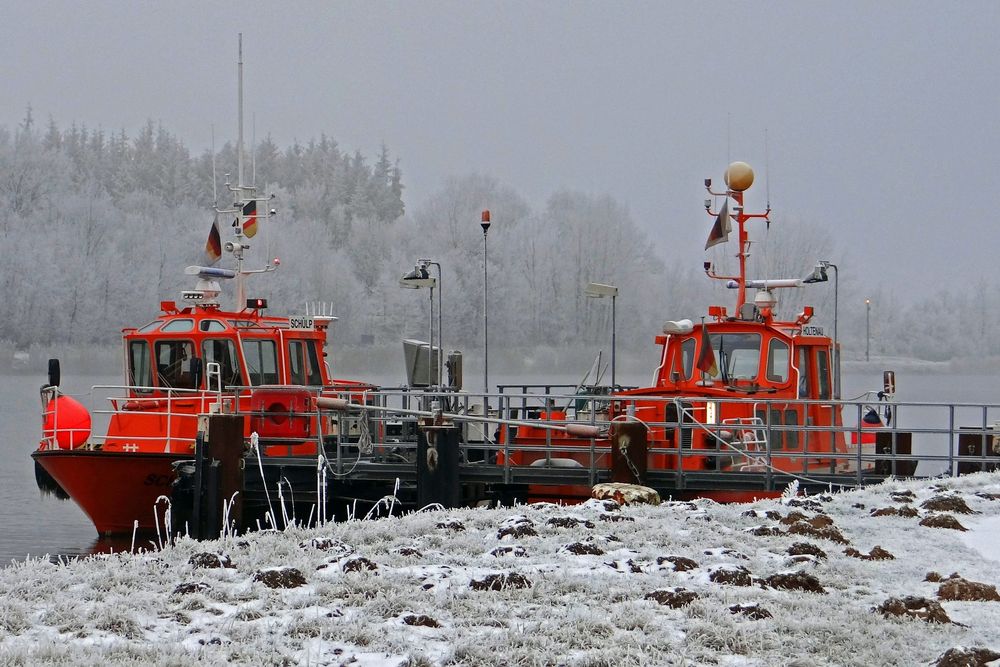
(215, 186)
(729, 137)
(239, 141)
(767, 172)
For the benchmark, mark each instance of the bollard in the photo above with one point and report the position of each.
(903, 445)
(218, 475)
(437, 465)
(971, 444)
(629, 452)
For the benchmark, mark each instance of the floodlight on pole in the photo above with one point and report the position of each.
(419, 278)
(485, 224)
(600, 291)
(836, 343)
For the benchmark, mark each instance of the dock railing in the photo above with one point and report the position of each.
(521, 439)
(920, 439)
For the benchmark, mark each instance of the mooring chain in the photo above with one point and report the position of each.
(365, 445)
(623, 442)
(432, 452)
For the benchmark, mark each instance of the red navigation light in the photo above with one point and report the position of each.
(256, 304)
(718, 312)
(485, 222)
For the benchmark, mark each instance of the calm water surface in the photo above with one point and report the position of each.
(35, 525)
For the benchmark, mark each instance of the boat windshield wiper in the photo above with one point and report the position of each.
(723, 360)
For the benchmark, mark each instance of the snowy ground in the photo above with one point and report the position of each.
(574, 581)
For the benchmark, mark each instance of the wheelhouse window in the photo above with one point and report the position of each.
(212, 325)
(804, 374)
(687, 358)
(777, 360)
(303, 363)
(737, 355)
(178, 326)
(173, 364)
(262, 362)
(223, 352)
(140, 371)
(823, 374)
(152, 326)
(781, 427)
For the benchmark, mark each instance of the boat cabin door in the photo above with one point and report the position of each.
(815, 384)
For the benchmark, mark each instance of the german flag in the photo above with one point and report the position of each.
(706, 356)
(213, 248)
(250, 219)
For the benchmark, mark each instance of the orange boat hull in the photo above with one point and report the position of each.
(115, 490)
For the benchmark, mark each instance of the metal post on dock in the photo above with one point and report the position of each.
(485, 224)
(217, 478)
(437, 464)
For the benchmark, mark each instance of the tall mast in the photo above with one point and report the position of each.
(239, 141)
(739, 177)
(241, 192)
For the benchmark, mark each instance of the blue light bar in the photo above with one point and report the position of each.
(209, 272)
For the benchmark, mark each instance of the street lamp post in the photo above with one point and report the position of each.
(440, 345)
(599, 291)
(868, 328)
(485, 223)
(418, 278)
(836, 348)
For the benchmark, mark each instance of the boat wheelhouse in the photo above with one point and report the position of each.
(193, 359)
(736, 392)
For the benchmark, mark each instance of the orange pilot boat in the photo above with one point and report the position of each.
(740, 393)
(194, 358)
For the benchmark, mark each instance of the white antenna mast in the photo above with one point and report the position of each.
(215, 186)
(767, 172)
(241, 296)
(239, 140)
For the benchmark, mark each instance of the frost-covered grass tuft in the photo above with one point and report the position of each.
(679, 583)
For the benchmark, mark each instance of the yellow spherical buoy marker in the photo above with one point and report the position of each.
(739, 176)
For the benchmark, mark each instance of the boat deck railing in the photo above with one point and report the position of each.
(921, 439)
(518, 435)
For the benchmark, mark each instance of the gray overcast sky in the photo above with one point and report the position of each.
(881, 116)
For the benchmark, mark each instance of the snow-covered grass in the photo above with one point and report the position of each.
(535, 585)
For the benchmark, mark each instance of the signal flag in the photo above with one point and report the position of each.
(213, 248)
(250, 219)
(706, 357)
(721, 228)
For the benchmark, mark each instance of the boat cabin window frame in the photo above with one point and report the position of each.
(261, 358)
(212, 326)
(152, 326)
(173, 371)
(686, 356)
(181, 325)
(140, 367)
(303, 363)
(231, 369)
(805, 373)
(782, 426)
(773, 363)
(823, 374)
(732, 352)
